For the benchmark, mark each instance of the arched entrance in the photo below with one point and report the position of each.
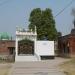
(25, 47)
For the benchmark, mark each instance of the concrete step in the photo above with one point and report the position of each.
(40, 73)
(26, 58)
(37, 72)
(35, 68)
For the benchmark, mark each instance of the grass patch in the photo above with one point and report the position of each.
(69, 67)
(5, 68)
(4, 71)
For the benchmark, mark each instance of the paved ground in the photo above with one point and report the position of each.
(48, 67)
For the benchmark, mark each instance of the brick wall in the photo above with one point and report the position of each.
(4, 45)
(72, 45)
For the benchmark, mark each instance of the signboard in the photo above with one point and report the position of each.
(45, 48)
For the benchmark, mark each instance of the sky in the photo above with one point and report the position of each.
(15, 13)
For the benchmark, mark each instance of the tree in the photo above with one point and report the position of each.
(43, 19)
(73, 13)
(59, 34)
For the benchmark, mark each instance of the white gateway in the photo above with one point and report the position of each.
(28, 48)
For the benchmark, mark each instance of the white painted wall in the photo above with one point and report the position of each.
(20, 35)
(44, 48)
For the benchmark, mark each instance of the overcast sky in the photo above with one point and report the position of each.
(16, 13)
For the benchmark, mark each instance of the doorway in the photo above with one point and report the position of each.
(25, 47)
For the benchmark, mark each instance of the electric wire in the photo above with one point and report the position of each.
(64, 8)
(4, 2)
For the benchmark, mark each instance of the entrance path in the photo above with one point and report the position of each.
(45, 67)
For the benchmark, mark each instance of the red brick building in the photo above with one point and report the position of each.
(66, 44)
(7, 46)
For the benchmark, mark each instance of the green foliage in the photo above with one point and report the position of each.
(59, 34)
(43, 19)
